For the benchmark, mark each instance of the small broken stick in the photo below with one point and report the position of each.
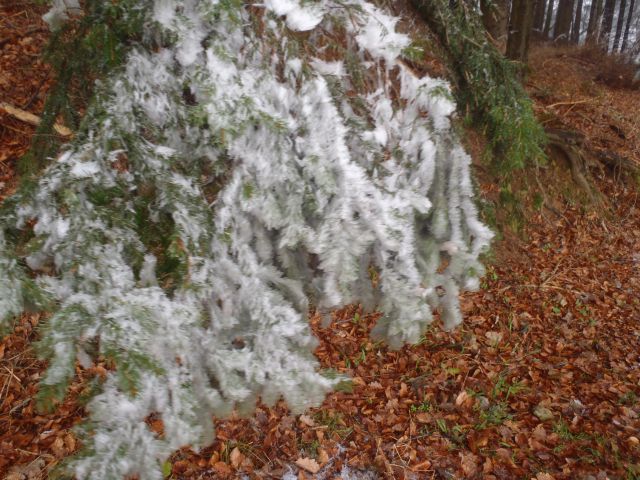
(32, 119)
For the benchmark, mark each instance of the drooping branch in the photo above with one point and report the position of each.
(326, 166)
(487, 84)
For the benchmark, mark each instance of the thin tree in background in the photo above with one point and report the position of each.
(625, 39)
(562, 30)
(495, 18)
(595, 15)
(520, 31)
(620, 25)
(577, 23)
(548, 17)
(538, 17)
(607, 24)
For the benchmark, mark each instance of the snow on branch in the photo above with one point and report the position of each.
(242, 163)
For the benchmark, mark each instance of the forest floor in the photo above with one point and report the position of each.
(542, 380)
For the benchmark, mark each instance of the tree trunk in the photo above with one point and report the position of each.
(562, 30)
(495, 18)
(538, 17)
(625, 40)
(620, 25)
(520, 32)
(577, 24)
(607, 24)
(595, 14)
(548, 17)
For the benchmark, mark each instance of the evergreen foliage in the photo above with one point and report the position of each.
(83, 47)
(240, 161)
(488, 84)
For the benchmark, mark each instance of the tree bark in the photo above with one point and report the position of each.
(625, 40)
(520, 31)
(607, 24)
(595, 14)
(577, 24)
(495, 18)
(620, 25)
(547, 20)
(562, 30)
(538, 17)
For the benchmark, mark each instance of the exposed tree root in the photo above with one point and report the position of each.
(571, 145)
(580, 159)
(619, 165)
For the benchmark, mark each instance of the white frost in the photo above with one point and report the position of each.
(298, 17)
(247, 156)
(83, 170)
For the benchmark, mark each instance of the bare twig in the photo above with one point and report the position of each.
(32, 119)
(576, 102)
(35, 94)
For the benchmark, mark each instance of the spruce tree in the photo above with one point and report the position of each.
(243, 163)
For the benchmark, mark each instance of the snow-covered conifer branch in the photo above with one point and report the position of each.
(223, 180)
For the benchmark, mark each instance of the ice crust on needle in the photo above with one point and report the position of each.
(325, 195)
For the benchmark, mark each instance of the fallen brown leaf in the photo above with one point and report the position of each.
(308, 464)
